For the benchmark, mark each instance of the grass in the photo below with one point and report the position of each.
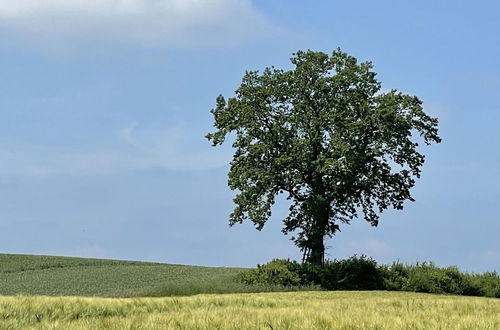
(65, 276)
(284, 310)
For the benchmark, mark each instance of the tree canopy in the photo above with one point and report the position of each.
(326, 136)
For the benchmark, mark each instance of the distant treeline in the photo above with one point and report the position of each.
(363, 273)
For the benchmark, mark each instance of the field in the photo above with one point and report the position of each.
(43, 292)
(286, 310)
(63, 276)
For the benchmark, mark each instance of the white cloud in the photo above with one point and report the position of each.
(61, 23)
(172, 148)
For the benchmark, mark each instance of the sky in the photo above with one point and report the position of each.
(104, 105)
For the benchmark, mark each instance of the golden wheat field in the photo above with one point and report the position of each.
(292, 310)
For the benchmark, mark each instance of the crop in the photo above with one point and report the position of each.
(284, 310)
(56, 276)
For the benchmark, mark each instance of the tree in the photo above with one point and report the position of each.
(326, 136)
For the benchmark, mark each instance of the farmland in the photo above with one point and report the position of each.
(63, 276)
(285, 310)
(44, 292)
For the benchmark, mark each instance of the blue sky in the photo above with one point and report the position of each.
(104, 105)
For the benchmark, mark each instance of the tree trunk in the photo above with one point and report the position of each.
(319, 208)
(315, 239)
(317, 254)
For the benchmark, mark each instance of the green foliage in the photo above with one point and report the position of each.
(275, 272)
(308, 273)
(487, 284)
(326, 136)
(363, 273)
(395, 276)
(427, 277)
(355, 273)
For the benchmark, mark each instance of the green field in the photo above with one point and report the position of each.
(285, 310)
(64, 276)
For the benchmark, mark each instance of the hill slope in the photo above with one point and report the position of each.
(49, 275)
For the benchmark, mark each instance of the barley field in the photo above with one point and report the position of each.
(286, 310)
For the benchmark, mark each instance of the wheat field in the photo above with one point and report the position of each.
(287, 310)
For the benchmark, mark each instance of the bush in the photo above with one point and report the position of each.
(355, 273)
(275, 272)
(363, 273)
(307, 273)
(426, 278)
(487, 284)
(395, 276)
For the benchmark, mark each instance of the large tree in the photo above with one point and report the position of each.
(326, 136)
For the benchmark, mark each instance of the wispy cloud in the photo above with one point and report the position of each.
(175, 147)
(190, 23)
(134, 148)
